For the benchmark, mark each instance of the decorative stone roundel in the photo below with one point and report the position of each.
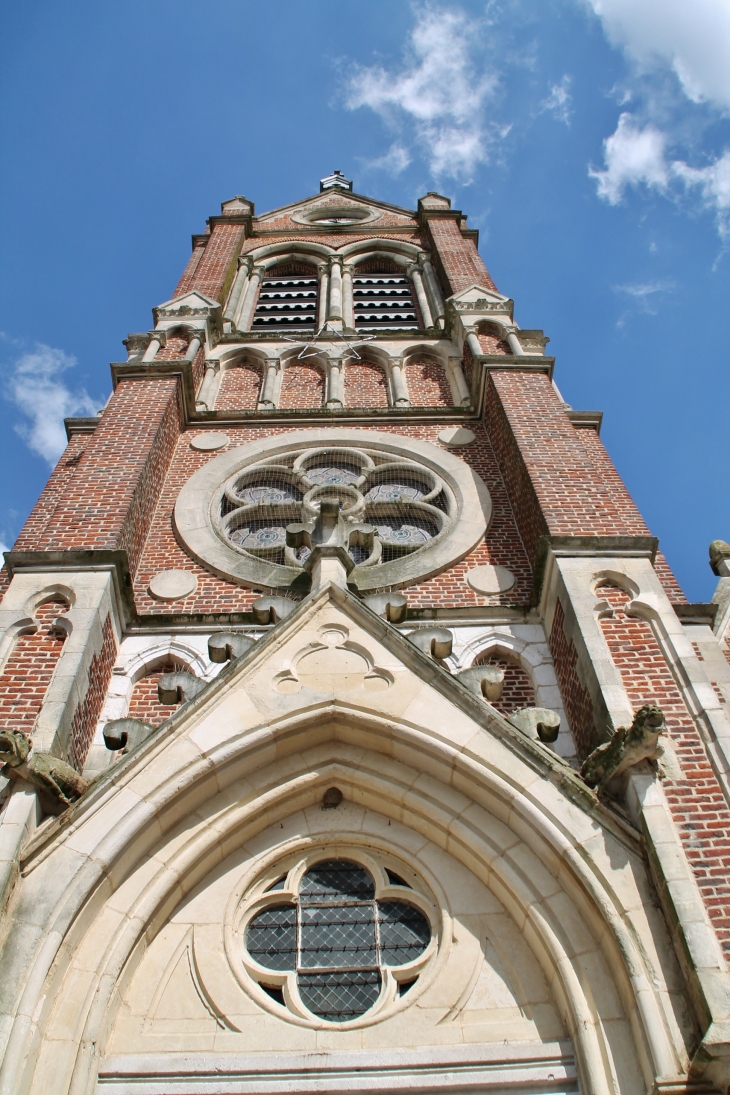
(209, 442)
(172, 585)
(490, 579)
(411, 508)
(455, 437)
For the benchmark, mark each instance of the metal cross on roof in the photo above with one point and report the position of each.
(310, 351)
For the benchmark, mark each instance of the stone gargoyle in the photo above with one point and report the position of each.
(626, 748)
(60, 784)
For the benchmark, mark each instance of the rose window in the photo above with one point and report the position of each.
(407, 508)
(335, 948)
(406, 504)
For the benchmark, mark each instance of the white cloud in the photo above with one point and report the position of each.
(558, 101)
(692, 37)
(636, 155)
(395, 160)
(440, 92)
(632, 156)
(37, 390)
(713, 182)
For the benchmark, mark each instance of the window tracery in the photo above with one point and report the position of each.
(339, 943)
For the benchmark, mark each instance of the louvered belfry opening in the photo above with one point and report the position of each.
(288, 299)
(383, 298)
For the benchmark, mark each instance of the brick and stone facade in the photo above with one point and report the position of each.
(598, 917)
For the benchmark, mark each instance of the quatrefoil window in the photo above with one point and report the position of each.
(407, 504)
(337, 948)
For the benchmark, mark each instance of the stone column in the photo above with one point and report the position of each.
(348, 305)
(463, 398)
(322, 297)
(271, 371)
(438, 309)
(157, 339)
(474, 345)
(514, 342)
(398, 389)
(205, 394)
(334, 310)
(239, 287)
(415, 275)
(335, 385)
(249, 301)
(194, 345)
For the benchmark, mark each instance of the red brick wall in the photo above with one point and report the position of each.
(467, 363)
(43, 510)
(502, 546)
(109, 499)
(144, 703)
(175, 347)
(518, 691)
(365, 385)
(302, 386)
(698, 806)
(576, 697)
(240, 387)
(461, 261)
(427, 384)
(560, 482)
(29, 669)
(491, 344)
(186, 281)
(88, 711)
(222, 247)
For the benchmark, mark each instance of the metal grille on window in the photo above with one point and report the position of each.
(406, 503)
(384, 301)
(337, 938)
(287, 299)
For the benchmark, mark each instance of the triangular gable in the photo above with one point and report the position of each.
(189, 304)
(337, 199)
(474, 293)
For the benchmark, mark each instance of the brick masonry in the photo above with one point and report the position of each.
(427, 385)
(145, 704)
(699, 807)
(88, 711)
(29, 669)
(366, 385)
(239, 388)
(518, 691)
(302, 386)
(576, 697)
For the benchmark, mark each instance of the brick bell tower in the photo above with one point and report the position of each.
(357, 735)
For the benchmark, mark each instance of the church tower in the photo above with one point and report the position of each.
(357, 736)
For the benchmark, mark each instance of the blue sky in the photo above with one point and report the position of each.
(588, 140)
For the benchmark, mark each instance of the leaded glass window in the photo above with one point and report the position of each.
(338, 938)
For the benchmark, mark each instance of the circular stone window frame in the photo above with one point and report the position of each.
(199, 502)
(325, 214)
(252, 898)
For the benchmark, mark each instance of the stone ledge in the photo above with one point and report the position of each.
(586, 420)
(696, 613)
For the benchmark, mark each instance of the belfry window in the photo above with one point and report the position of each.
(288, 299)
(337, 940)
(383, 298)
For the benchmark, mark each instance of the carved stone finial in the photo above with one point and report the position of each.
(538, 723)
(269, 610)
(720, 558)
(436, 641)
(483, 680)
(59, 783)
(227, 645)
(392, 606)
(626, 748)
(178, 687)
(126, 734)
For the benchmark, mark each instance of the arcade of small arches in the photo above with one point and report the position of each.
(364, 377)
(142, 660)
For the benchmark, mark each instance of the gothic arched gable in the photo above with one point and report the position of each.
(121, 921)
